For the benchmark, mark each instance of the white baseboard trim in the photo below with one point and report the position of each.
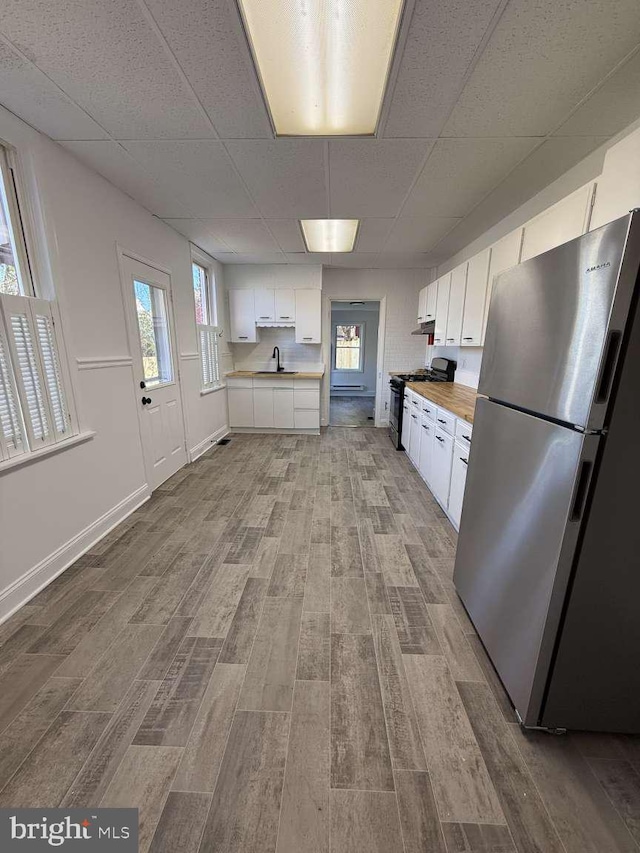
(24, 588)
(204, 445)
(273, 430)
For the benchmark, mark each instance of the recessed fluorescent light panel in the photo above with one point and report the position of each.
(323, 64)
(329, 235)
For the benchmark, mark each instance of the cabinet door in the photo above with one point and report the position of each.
(283, 408)
(406, 425)
(240, 407)
(414, 437)
(458, 480)
(442, 309)
(242, 316)
(265, 305)
(426, 449)
(432, 300)
(441, 466)
(263, 407)
(456, 305)
(285, 305)
(558, 225)
(504, 254)
(308, 316)
(474, 300)
(422, 305)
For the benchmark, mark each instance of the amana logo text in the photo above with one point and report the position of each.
(598, 266)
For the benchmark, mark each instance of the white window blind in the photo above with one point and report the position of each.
(12, 436)
(35, 369)
(209, 360)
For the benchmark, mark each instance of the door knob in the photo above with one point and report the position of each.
(143, 384)
(146, 401)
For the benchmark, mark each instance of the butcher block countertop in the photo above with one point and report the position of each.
(252, 374)
(459, 399)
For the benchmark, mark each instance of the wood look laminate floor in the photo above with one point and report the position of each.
(351, 411)
(269, 655)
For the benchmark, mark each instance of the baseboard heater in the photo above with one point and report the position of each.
(347, 387)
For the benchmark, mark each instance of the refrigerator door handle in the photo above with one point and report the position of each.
(581, 490)
(608, 366)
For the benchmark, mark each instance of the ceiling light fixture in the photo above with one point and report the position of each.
(329, 235)
(323, 64)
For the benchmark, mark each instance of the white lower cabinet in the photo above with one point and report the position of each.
(441, 466)
(283, 408)
(240, 407)
(414, 437)
(458, 481)
(263, 407)
(426, 449)
(406, 425)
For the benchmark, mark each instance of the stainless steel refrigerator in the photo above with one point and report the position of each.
(548, 559)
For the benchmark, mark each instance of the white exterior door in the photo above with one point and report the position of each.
(147, 293)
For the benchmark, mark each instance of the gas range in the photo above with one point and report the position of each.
(442, 370)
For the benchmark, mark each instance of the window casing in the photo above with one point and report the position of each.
(348, 347)
(35, 409)
(204, 296)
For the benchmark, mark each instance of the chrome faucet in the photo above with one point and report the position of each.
(279, 367)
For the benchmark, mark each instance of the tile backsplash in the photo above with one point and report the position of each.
(292, 355)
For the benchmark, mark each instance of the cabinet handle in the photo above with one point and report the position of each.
(265, 318)
(467, 339)
(242, 337)
(450, 339)
(462, 459)
(424, 426)
(415, 417)
(466, 438)
(285, 317)
(310, 338)
(440, 421)
(440, 439)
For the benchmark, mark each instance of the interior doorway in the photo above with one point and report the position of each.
(354, 362)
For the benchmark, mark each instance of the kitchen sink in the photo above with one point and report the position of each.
(274, 372)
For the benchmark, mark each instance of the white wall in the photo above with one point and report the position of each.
(402, 351)
(369, 320)
(52, 509)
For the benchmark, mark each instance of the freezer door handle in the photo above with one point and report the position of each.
(608, 366)
(581, 490)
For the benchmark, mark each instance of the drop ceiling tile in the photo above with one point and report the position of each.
(29, 93)
(107, 58)
(442, 40)
(541, 60)
(460, 172)
(309, 258)
(371, 177)
(247, 236)
(403, 260)
(200, 233)
(541, 168)
(111, 161)
(287, 234)
(199, 173)
(268, 258)
(285, 176)
(417, 233)
(611, 108)
(372, 234)
(355, 260)
(208, 42)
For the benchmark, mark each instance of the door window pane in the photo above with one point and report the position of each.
(154, 333)
(349, 347)
(200, 294)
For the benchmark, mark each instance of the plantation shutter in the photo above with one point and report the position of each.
(12, 438)
(209, 362)
(34, 353)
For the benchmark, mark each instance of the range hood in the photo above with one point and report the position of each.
(425, 328)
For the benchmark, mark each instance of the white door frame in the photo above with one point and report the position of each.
(133, 333)
(380, 420)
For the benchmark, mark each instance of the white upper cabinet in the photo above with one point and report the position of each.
(308, 316)
(619, 185)
(431, 302)
(456, 306)
(559, 224)
(422, 304)
(265, 306)
(504, 254)
(442, 309)
(242, 316)
(285, 306)
(475, 296)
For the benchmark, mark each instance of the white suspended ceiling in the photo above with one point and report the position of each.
(488, 103)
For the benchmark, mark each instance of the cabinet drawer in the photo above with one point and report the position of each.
(428, 409)
(273, 383)
(308, 419)
(463, 433)
(303, 399)
(445, 420)
(308, 384)
(239, 383)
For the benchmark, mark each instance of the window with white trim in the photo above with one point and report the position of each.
(348, 340)
(34, 409)
(204, 297)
